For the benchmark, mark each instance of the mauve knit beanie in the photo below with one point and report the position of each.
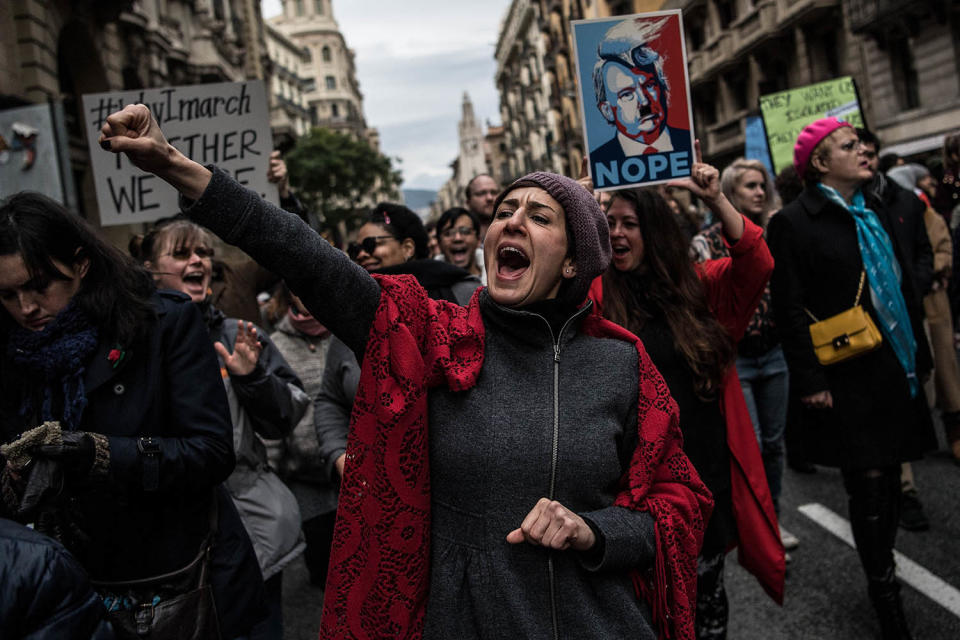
(586, 223)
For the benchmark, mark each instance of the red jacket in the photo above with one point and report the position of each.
(734, 287)
(378, 581)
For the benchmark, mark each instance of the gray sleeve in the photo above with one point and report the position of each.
(628, 538)
(339, 293)
(333, 404)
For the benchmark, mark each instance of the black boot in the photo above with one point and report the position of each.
(874, 516)
(885, 596)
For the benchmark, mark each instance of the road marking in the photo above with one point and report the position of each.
(907, 570)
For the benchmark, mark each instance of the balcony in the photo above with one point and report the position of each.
(876, 16)
(755, 27)
(789, 11)
(719, 51)
(725, 137)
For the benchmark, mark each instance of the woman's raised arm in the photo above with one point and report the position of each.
(336, 291)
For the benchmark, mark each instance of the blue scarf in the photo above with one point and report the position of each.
(883, 273)
(55, 356)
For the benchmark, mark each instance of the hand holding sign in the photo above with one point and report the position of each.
(277, 174)
(135, 132)
(704, 182)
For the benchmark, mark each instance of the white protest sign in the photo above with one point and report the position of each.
(226, 124)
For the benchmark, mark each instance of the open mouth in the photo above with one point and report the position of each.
(512, 262)
(194, 279)
(459, 254)
(621, 250)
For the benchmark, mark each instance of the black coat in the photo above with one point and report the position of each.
(874, 421)
(905, 214)
(46, 594)
(168, 386)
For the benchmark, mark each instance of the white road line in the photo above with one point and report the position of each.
(909, 571)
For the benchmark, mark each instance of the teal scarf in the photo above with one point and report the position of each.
(883, 273)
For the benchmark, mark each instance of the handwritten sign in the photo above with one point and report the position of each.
(635, 98)
(226, 124)
(786, 113)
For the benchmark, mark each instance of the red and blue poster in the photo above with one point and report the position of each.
(635, 98)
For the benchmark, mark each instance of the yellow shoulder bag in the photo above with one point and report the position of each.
(846, 335)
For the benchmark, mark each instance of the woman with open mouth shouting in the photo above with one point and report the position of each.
(265, 396)
(689, 318)
(550, 496)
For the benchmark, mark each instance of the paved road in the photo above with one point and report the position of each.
(826, 597)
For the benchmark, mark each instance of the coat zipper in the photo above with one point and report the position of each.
(554, 454)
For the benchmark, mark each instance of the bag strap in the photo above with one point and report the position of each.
(856, 302)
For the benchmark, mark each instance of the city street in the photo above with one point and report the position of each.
(826, 596)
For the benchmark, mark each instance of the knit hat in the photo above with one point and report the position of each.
(810, 137)
(586, 223)
(907, 175)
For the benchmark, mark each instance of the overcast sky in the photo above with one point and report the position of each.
(415, 59)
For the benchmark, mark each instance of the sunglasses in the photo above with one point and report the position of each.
(184, 253)
(368, 246)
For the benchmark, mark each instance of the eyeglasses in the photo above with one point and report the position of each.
(463, 231)
(184, 253)
(850, 145)
(368, 245)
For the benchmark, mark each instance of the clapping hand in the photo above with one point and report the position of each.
(246, 350)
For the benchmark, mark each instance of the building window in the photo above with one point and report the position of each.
(335, 110)
(318, 7)
(904, 69)
(727, 13)
(331, 82)
(298, 6)
(325, 54)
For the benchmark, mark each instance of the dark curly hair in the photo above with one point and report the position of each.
(402, 223)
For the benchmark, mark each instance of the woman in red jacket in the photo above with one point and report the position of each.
(689, 318)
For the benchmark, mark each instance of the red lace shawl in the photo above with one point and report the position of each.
(378, 580)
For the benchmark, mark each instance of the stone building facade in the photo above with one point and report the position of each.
(909, 56)
(903, 55)
(58, 51)
(335, 101)
(290, 115)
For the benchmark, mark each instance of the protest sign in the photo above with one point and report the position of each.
(34, 155)
(786, 113)
(635, 98)
(755, 144)
(226, 124)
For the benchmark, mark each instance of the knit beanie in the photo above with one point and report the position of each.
(586, 223)
(810, 137)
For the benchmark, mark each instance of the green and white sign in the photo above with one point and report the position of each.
(786, 113)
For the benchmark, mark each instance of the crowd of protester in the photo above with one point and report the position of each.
(178, 428)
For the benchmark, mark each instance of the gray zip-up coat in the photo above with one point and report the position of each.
(268, 402)
(550, 416)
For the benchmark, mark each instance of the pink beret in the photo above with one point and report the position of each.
(810, 137)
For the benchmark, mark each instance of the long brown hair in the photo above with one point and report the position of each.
(668, 281)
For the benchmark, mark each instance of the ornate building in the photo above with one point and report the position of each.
(58, 51)
(335, 101)
(290, 115)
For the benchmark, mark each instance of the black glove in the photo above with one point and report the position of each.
(76, 454)
(44, 482)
